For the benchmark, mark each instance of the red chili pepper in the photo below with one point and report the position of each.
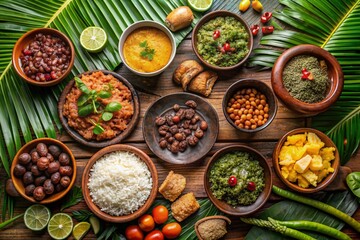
(266, 17)
(216, 34)
(306, 75)
(251, 186)
(227, 47)
(255, 29)
(232, 181)
(267, 29)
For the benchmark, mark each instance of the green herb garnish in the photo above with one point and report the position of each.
(72, 198)
(82, 215)
(147, 52)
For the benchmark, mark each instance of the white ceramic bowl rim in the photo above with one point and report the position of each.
(147, 23)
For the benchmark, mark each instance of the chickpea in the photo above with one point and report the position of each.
(248, 116)
(253, 126)
(259, 122)
(237, 97)
(243, 91)
(248, 107)
(254, 91)
(257, 101)
(241, 125)
(247, 97)
(251, 111)
(232, 100)
(260, 107)
(247, 127)
(246, 111)
(252, 103)
(266, 116)
(232, 116)
(256, 112)
(262, 102)
(230, 110)
(261, 112)
(247, 123)
(236, 111)
(266, 109)
(262, 96)
(248, 91)
(252, 121)
(260, 117)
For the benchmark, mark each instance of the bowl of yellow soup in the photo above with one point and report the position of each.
(147, 48)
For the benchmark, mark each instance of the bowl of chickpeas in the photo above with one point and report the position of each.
(249, 105)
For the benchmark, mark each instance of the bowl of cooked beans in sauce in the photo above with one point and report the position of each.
(43, 57)
(249, 105)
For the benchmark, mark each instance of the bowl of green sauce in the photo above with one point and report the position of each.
(307, 79)
(222, 40)
(238, 180)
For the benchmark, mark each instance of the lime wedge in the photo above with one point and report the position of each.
(60, 226)
(80, 230)
(93, 39)
(95, 224)
(200, 5)
(36, 217)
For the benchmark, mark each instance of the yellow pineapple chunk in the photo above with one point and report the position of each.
(312, 148)
(316, 163)
(327, 153)
(313, 138)
(326, 164)
(285, 172)
(310, 177)
(302, 182)
(292, 175)
(303, 164)
(322, 174)
(297, 140)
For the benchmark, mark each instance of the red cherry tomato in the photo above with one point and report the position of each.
(216, 34)
(227, 47)
(155, 235)
(133, 232)
(171, 230)
(251, 186)
(160, 214)
(146, 223)
(232, 181)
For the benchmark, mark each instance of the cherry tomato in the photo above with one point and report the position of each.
(146, 223)
(160, 214)
(227, 47)
(133, 232)
(176, 119)
(232, 181)
(251, 186)
(171, 230)
(155, 235)
(216, 34)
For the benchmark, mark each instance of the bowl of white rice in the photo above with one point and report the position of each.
(119, 183)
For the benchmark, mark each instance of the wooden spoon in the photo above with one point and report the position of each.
(226, 219)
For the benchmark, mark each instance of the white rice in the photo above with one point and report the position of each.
(119, 183)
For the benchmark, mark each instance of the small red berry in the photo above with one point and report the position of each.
(227, 47)
(176, 119)
(47, 77)
(251, 186)
(27, 52)
(53, 75)
(232, 181)
(216, 34)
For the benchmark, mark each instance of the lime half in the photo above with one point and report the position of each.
(93, 39)
(200, 5)
(36, 217)
(80, 230)
(60, 226)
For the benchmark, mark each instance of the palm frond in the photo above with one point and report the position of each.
(334, 26)
(27, 111)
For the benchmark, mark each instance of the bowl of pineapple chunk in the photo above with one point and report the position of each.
(306, 160)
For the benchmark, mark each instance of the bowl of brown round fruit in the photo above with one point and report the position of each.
(249, 105)
(180, 128)
(43, 57)
(43, 170)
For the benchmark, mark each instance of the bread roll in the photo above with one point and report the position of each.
(203, 83)
(179, 18)
(186, 71)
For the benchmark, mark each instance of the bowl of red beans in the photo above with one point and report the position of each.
(43, 56)
(249, 105)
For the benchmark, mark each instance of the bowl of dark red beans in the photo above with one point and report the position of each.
(43, 170)
(43, 57)
(249, 105)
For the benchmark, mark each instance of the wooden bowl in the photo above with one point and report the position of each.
(165, 105)
(27, 148)
(226, 219)
(210, 16)
(326, 181)
(93, 143)
(24, 40)
(262, 198)
(258, 85)
(335, 75)
(86, 192)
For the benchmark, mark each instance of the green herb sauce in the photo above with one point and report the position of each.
(246, 169)
(310, 91)
(231, 31)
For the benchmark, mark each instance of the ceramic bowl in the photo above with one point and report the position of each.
(144, 24)
(262, 198)
(210, 16)
(24, 40)
(326, 181)
(335, 75)
(259, 86)
(86, 192)
(26, 149)
(93, 143)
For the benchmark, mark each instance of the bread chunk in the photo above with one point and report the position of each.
(186, 71)
(179, 18)
(184, 207)
(172, 186)
(203, 83)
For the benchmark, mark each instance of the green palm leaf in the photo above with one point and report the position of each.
(26, 110)
(334, 26)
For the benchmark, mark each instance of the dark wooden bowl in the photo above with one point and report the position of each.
(24, 40)
(226, 219)
(99, 144)
(164, 105)
(86, 192)
(335, 75)
(208, 17)
(325, 182)
(262, 198)
(27, 148)
(258, 85)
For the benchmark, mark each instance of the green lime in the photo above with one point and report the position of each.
(36, 217)
(80, 230)
(60, 226)
(200, 5)
(95, 224)
(93, 39)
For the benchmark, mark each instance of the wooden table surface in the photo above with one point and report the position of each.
(264, 141)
